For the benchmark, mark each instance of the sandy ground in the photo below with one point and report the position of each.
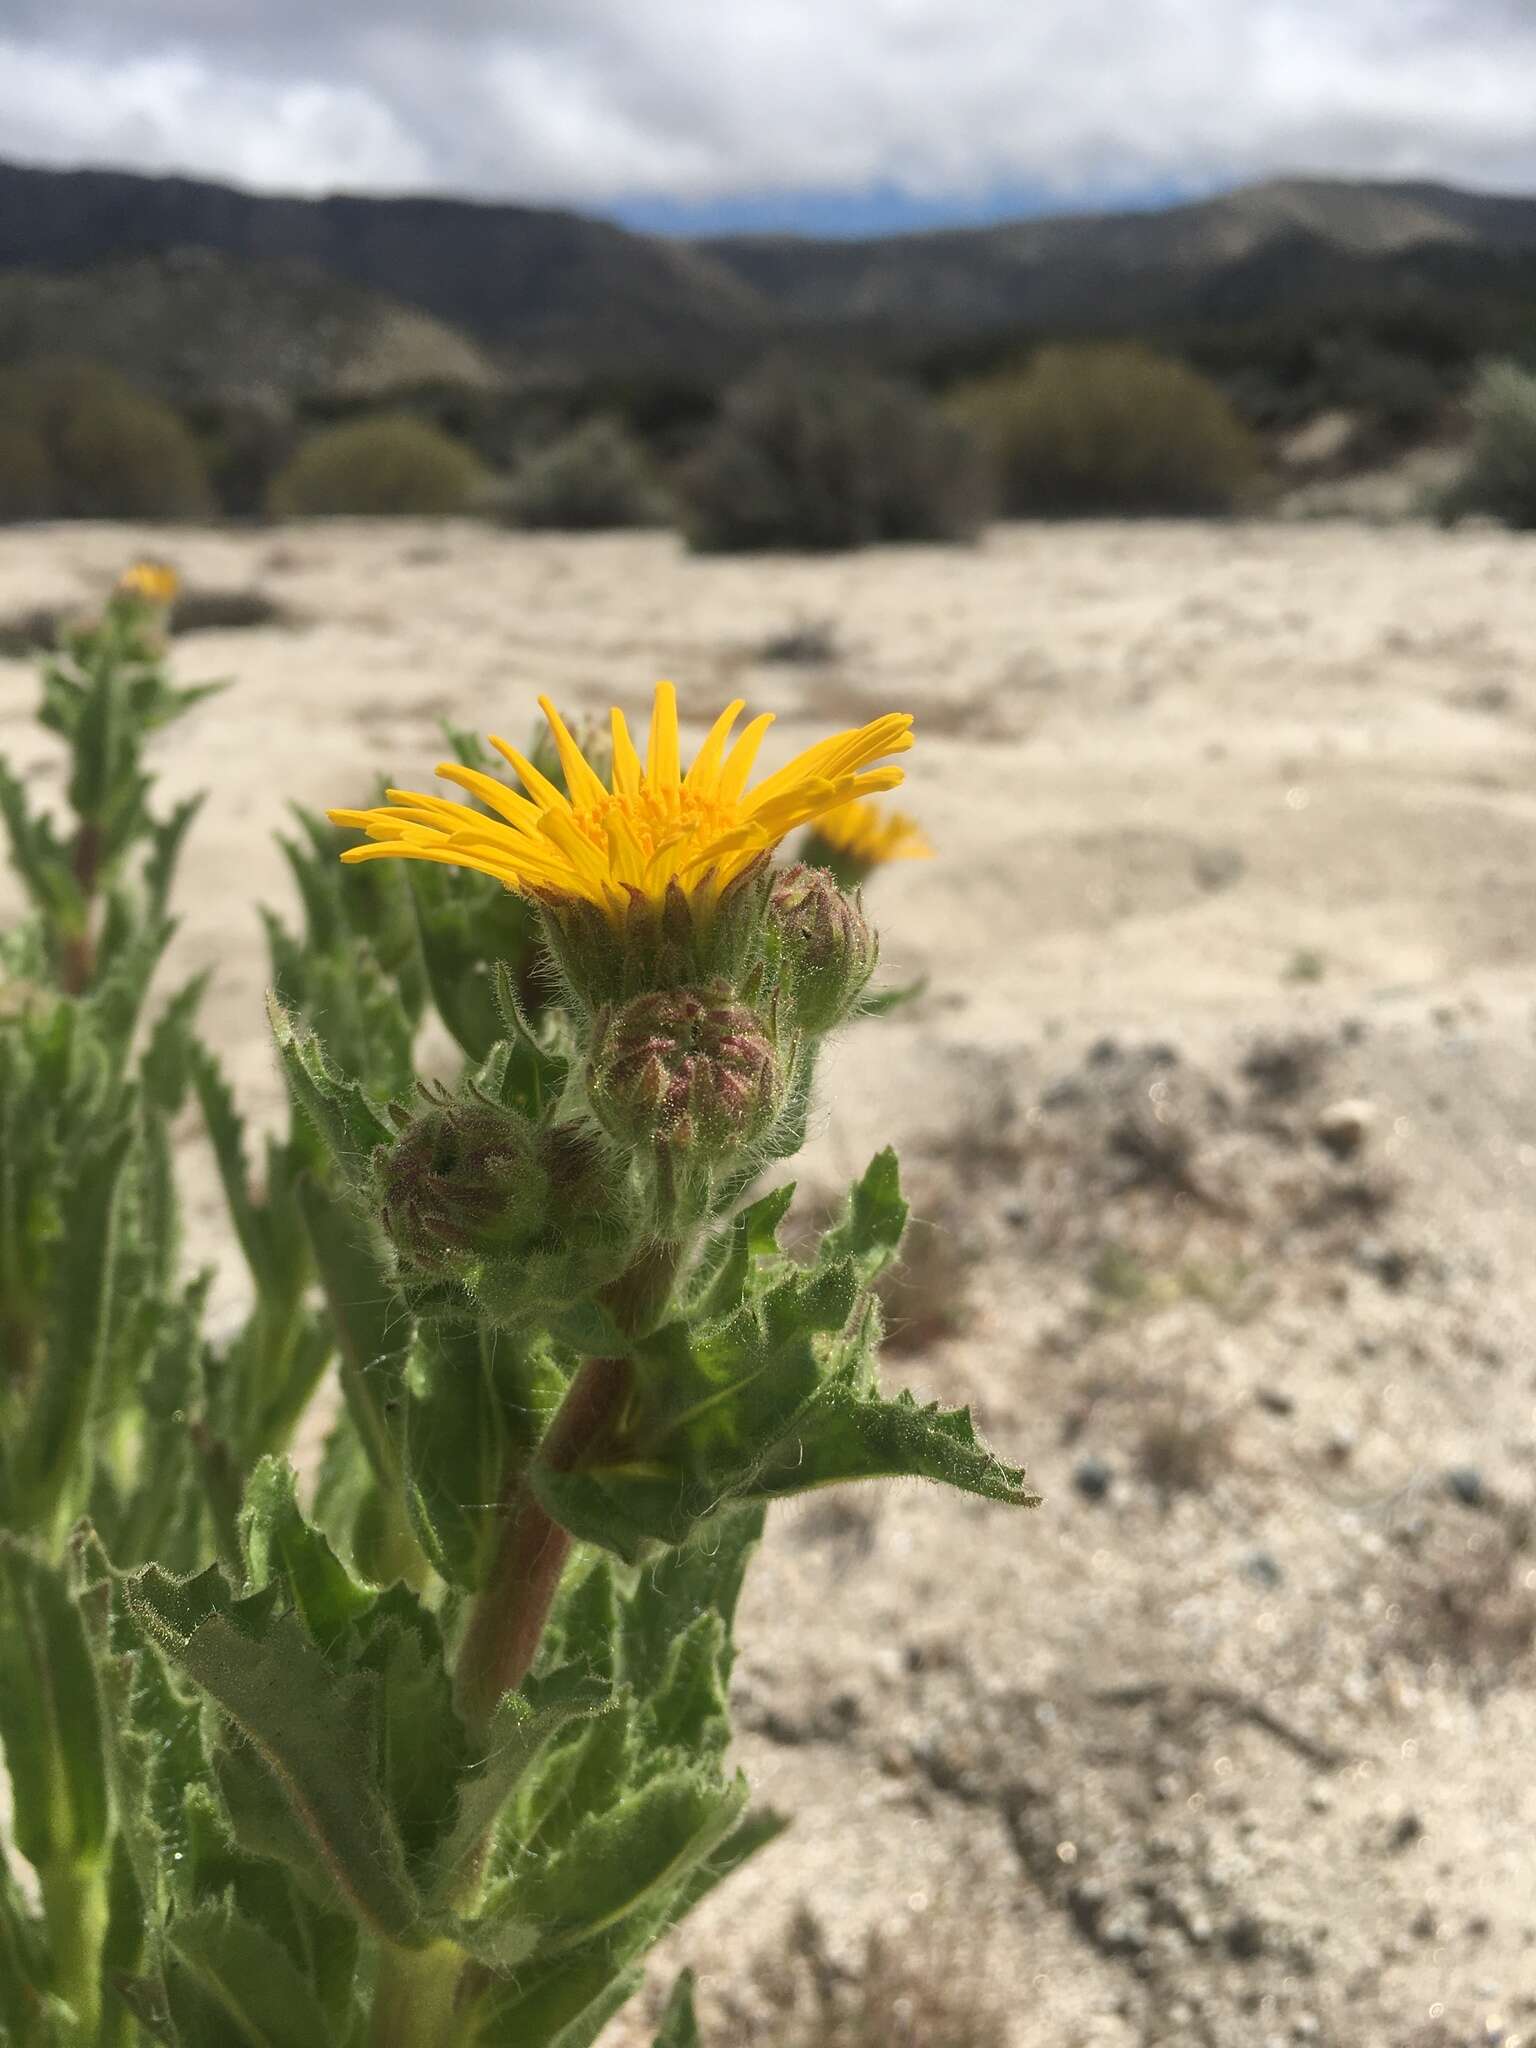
(1219, 1113)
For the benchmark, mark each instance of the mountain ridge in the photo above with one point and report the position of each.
(528, 285)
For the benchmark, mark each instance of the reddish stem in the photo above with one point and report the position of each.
(513, 1605)
(78, 963)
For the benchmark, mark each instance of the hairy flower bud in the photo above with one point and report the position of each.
(462, 1180)
(686, 1070)
(827, 948)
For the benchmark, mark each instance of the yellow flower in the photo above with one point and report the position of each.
(627, 844)
(864, 833)
(154, 582)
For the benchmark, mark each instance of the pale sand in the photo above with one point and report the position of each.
(1162, 765)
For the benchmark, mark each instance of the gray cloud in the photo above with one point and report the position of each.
(589, 101)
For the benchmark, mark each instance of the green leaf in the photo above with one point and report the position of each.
(688, 1711)
(883, 1001)
(166, 1067)
(522, 1724)
(315, 1730)
(583, 1631)
(468, 924)
(49, 1722)
(454, 1449)
(709, 1404)
(226, 1133)
(704, 1575)
(280, 1545)
(755, 1831)
(251, 1977)
(616, 1859)
(349, 1123)
(852, 1434)
(24, 1969)
(778, 1397)
(39, 857)
(679, 2028)
(726, 1267)
(48, 1713)
(166, 841)
(45, 1479)
(870, 1230)
(564, 2002)
(122, 1950)
(422, 1746)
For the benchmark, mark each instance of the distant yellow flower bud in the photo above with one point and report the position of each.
(153, 582)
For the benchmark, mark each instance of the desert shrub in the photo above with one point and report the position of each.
(588, 481)
(817, 459)
(389, 465)
(26, 473)
(109, 451)
(1109, 428)
(245, 442)
(1500, 473)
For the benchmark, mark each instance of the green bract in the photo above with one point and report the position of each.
(434, 1759)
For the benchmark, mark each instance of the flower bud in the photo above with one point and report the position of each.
(827, 948)
(686, 1070)
(461, 1181)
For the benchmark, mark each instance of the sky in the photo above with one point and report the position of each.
(825, 116)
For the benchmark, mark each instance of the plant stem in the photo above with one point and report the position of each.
(74, 1898)
(413, 1997)
(513, 1605)
(78, 963)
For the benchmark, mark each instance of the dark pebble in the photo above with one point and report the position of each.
(1262, 1569)
(1245, 1937)
(1465, 1483)
(1093, 1478)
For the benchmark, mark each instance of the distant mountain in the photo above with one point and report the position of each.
(1095, 269)
(514, 277)
(195, 324)
(107, 264)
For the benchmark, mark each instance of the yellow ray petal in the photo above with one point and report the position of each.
(627, 772)
(539, 787)
(517, 810)
(580, 780)
(705, 772)
(738, 765)
(661, 760)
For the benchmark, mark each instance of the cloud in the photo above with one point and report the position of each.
(595, 101)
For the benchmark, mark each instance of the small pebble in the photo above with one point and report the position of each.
(1343, 1127)
(1262, 1569)
(1093, 1478)
(1465, 1483)
(1245, 1937)
(1406, 1830)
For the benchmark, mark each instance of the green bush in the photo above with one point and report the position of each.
(1109, 428)
(108, 450)
(817, 459)
(1500, 473)
(589, 480)
(386, 466)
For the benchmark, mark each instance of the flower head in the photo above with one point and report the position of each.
(828, 950)
(688, 1070)
(868, 836)
(152, 582)
(652, 828)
